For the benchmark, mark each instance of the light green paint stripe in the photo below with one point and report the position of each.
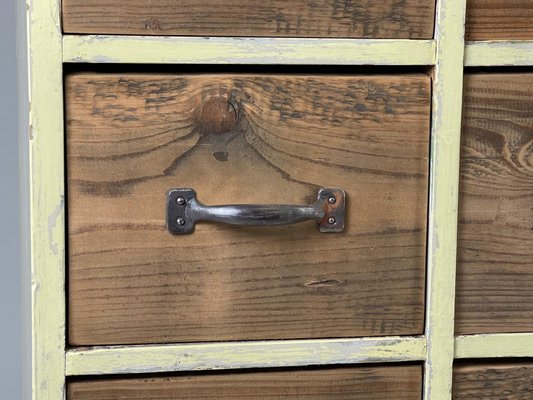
(494, 345)
(223, 50)
(443, 198)
(47, 219)
(499, 53)
(216, 356)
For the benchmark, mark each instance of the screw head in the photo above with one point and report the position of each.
(180, 201)
(331, 220)
(332, 200)
(180, 221)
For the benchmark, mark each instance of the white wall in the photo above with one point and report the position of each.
(11, 204)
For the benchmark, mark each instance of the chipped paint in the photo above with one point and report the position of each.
(224, 50)
(47, 202)
(499, 53)
(53, 219)
(213, 356)
(494, 345)
(443, 198)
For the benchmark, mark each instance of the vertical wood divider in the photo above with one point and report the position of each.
(47, 206)
(443, 198)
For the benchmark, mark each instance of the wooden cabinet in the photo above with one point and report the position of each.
(412, 19)
(368, 383)
(245, 139)
(257, 106)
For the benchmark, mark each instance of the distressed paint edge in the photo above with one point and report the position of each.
(21, 37)
(494, 345)
(46, 189)
(499, 53)
(224, 356)
(443, 199)
(226, 50)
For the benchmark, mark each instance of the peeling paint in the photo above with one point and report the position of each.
(223, 50)
(45, 132)
(499, 53)
(212, 356)
(443, 198)
(52, 222)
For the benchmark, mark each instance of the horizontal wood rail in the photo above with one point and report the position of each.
(223, 50)
(211, 356)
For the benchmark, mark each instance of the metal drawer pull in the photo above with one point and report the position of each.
(183, 211)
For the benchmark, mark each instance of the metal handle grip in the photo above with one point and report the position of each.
(184, 210)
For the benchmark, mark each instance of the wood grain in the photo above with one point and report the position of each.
(388, 19)
(495, 254)
(369, 383)
(499, 20)
(130, 138)
(498, 381)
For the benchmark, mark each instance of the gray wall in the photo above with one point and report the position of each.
(11, 204)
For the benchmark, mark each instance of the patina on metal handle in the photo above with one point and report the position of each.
(184, 210)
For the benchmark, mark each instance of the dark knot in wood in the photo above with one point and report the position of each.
(217, 115)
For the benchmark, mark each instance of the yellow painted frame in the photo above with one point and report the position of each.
(47, 211)
(48, 50)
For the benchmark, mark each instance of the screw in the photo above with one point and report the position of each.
(180, 201)
(332, 200)
(331, 220)
(180, 221)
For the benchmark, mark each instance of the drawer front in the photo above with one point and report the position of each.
(495, 253)
(296, 18)
(499, 20)
(369, 383)
(493, 381)
(245, 139)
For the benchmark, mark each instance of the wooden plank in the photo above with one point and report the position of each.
(494, 345)
(47, 194)
(499, 20)
(108, 49)
(495, 256)
(388, 19)
(132, 137)
(398, 382)
(443, 197)
(234, 355)
(493, 381)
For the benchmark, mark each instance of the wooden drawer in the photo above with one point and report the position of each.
(499, 20)
(413, 19)
(495, 253)
(493, 381)
(245, 139)
(393, 382)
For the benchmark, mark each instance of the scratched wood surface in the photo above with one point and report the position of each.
(493, 381)
(296, 18)
(245, 139)
(495, 254)
(499, 20)
(369, 383)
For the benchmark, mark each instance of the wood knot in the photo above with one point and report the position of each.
(217, 116)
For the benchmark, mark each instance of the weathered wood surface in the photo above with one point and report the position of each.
(388, 19)
(369, 383)
(499, 20)
(512, 381)
(130, 138)
(495, 254)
